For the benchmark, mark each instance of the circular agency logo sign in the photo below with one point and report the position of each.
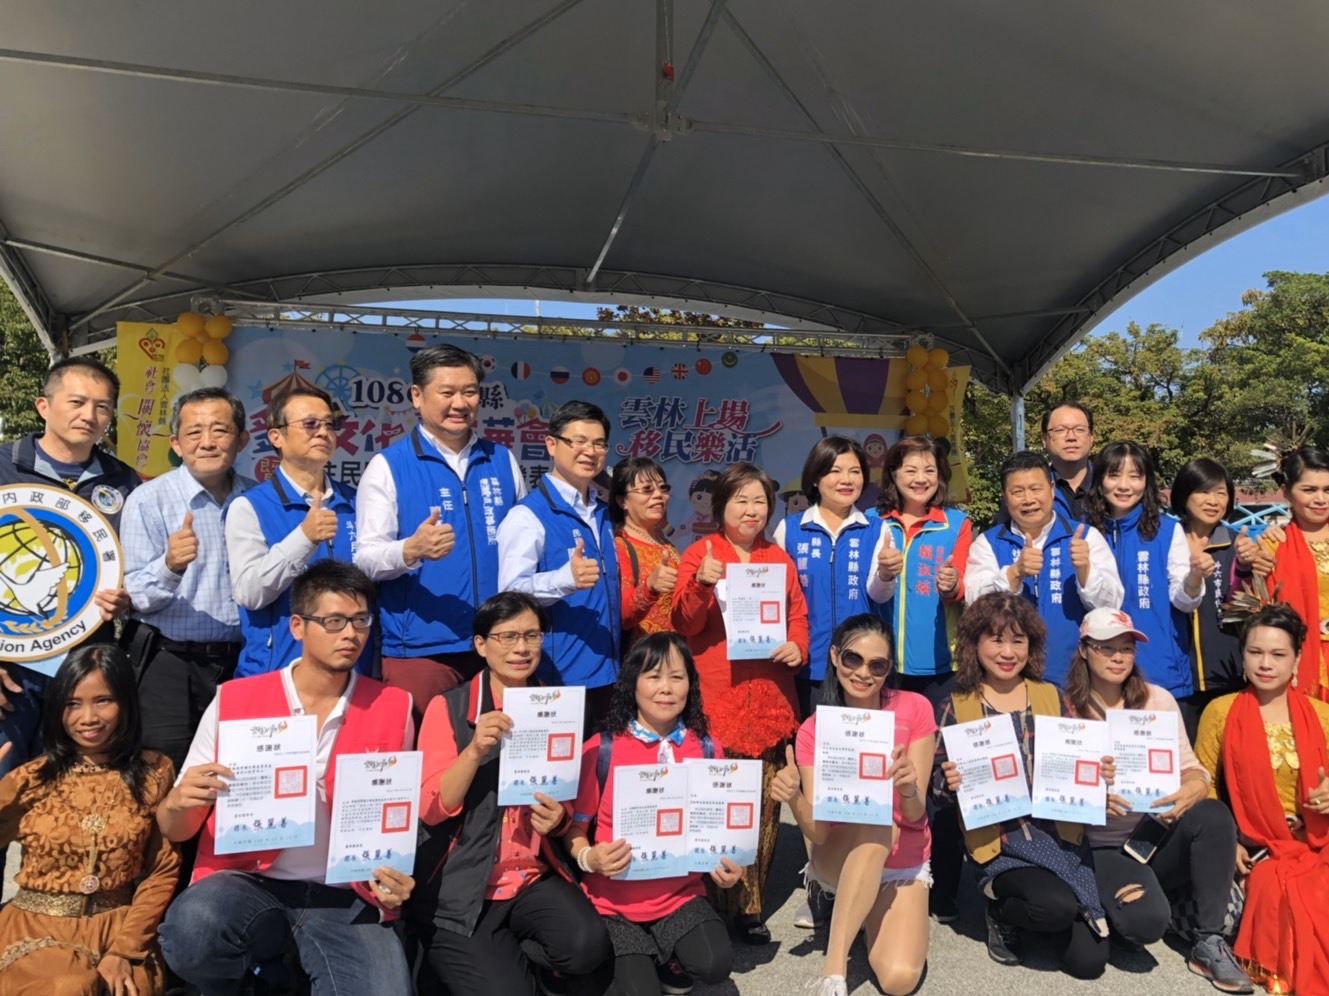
(56, 552)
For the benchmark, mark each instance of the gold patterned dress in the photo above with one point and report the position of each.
(96, 879)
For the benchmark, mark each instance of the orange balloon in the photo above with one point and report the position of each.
(938, 358)
(190, 324)
(938, 401)
(215, 352)
(916, 380)
(189, 351)
(938, 380)
(218, 327)
(916, 402)
(916, 425)
(939, 426)
(917, 356)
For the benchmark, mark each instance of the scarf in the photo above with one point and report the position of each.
(1297, 581)
(649, 736)
(1284, 928)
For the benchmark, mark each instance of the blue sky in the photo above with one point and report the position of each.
(1190, 299)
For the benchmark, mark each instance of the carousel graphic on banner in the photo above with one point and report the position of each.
(56, 551)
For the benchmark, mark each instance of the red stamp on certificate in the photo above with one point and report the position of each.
(770, 612)
(1160, 762)
(738, 816)
(872, 767)
(396, 817)
(1004, 767)
(1086, 772)
(561, 747)
(669, 823)
(290, 783)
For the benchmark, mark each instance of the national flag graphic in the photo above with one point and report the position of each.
(521, 370)
(651, 375)
(702, 366)
(590, 376)
(488, 364)
(680, 371)
(559, 375)
(621, 377)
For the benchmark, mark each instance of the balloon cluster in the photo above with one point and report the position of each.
(200, 355)
(929, 397)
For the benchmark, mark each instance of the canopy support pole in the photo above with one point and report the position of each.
(1017, 421)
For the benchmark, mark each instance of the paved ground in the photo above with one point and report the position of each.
(958, 962)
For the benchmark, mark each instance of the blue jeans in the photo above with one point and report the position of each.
(217, 930)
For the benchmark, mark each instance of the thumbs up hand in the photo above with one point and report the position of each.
(890, 561)
(320, 524)
(1080, 549)
(182, 546)
(1030, 562)
(948, 578)
(1319, 797)
(787, 783)
(663, 578)
(710, 570)
(585, 570)
(432, 540)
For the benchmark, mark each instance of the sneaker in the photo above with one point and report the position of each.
(816, 909)
(1003, 939)
(943, 909)
(1212, 958)
(673, 980)
(830, 985)
(751, 930)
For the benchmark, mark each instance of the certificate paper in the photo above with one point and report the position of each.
(853, 758)
(753, 606)
(1068, 776)
(650, 813)
(724, 808)
(376, 805)
(543, 752)
(993, 788)
(1146, 747)
(270, 801)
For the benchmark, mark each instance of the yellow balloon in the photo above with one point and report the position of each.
(916, 380)
(939, 426)
(938, 401)
(916, 402)
(218, 327)
(190, 324)
(917, 356)
(938, 380)
(916, 425)
(216, 352)
(189, 351)
(938, 358)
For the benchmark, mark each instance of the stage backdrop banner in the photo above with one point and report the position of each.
(694, 411)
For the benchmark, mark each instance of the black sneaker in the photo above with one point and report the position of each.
(673, 980)
(1003, 939)
(816, 909)
(751, 930)
(943, 909)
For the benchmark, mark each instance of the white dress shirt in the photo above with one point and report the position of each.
(878, 590)
(521, 544)
(1104, 591)
(379, 539)
(295, 864)
(260, 574)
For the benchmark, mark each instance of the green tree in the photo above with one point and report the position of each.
(21, 374)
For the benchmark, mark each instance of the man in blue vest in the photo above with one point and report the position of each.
(1064, 568)
(275, 530)
(558, 546)
(429, 511)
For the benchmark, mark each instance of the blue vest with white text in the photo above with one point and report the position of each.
(923, 624)
(268, 644)
(587, 624)
(430, 610)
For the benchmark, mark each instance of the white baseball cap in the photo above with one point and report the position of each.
(1104, 624)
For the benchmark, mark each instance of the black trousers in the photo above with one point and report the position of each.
(550, 924)
(1035, 899)
(173, 692)
(704, 952)
(1196, 855)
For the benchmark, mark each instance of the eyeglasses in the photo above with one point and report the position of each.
(360, 622)
(1105, 651)
(508, 639)
(582, 443)
(851, 661)
(312, 426)
(1059, 431)
(652, 489)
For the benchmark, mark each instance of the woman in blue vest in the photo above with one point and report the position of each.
(1163, 580)
(835, 548)
(933, 541)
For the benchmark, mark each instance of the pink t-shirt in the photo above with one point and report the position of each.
(641, 901)
(914, 720)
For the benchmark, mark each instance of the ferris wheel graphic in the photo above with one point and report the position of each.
(337, 382)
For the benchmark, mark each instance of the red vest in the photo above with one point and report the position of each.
(375, 723)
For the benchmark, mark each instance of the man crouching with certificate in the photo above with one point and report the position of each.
(259, 787)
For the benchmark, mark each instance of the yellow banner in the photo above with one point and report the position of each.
(144, 355)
